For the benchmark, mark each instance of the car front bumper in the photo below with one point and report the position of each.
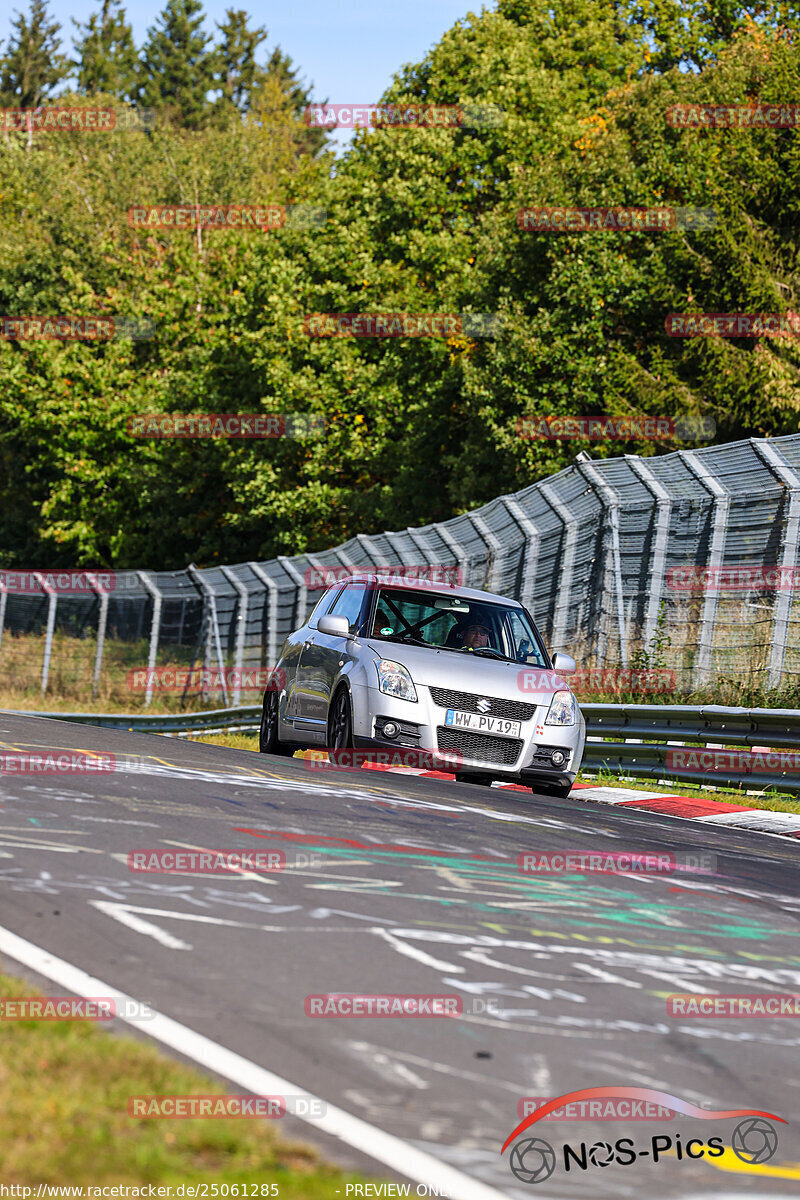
(422, 726)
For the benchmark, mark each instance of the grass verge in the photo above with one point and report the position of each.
(65, 1088)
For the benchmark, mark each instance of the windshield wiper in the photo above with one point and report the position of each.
(487, 650)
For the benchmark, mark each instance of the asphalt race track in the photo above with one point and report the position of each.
(411, 886)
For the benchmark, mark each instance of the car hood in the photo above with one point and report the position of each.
(471, 672)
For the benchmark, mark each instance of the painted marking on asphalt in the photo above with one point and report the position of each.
(728, 1161)
(125, 916)
(398, 1155)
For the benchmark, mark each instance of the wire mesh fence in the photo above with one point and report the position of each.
(687, 561)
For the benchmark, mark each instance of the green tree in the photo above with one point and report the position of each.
(106, 58)
(282, 70)
(236, 68)
(693, 33)
(177, 69)
(32, 66)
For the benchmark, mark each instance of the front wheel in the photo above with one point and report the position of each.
(340, 723)
(268, 740)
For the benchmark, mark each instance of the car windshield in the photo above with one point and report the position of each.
(491, 630)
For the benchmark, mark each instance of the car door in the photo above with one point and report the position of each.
(296, 643)
(322, 659)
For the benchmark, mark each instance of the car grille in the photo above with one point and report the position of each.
(511, 710)
(480, 747)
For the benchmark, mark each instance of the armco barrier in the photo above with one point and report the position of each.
(635, 739)
(632, 740)
(218, 720)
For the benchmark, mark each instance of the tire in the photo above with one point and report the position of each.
(340, 722)
(464, 777)
(268, 741)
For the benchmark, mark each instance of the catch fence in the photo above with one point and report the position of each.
(685, 561)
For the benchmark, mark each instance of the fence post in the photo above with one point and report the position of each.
(658, 557)
(302, 591)
(52, 601)
(370, 549)
(791, 534)
(241, 629)
(495, 552)
(3, 599)
(272, 617)
(722, 503)
(610, 502)
(419, 544)
(533, 541)
(456, 550)
(213, 628)
(155, 627)
(101, 631)
(562, 600)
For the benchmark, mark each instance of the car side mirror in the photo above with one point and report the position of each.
(334, 626)
(563, 664)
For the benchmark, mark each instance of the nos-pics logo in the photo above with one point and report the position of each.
(533, 1159)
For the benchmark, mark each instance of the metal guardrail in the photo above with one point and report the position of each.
(637, 741)
(218, 720)
(640, 741)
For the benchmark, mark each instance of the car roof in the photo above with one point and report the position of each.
(384, 580)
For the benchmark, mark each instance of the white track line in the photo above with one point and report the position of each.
(383, 1147)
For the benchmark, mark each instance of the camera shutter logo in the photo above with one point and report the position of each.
(533, 1160)
(754, 1140)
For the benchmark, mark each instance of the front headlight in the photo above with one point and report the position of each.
(563, 709)
(394, 680)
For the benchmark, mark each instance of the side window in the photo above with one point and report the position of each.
(522, 645)
(322, 605)
(348, 604)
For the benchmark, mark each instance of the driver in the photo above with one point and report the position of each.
(475, 635)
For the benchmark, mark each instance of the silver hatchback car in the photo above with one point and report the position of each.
(450, 670)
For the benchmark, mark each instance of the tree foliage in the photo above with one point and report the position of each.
(418, 220)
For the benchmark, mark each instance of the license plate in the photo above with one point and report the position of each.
(480, 724)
